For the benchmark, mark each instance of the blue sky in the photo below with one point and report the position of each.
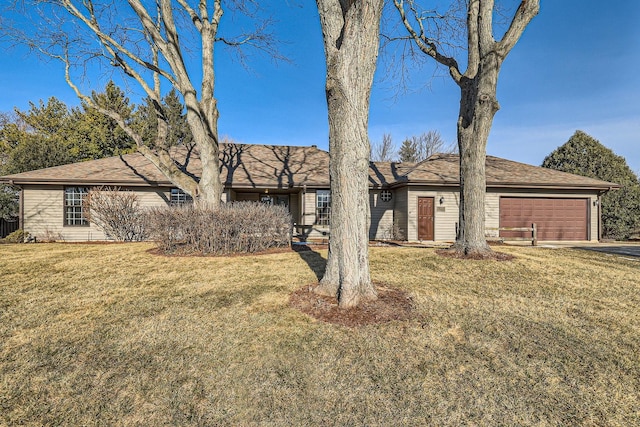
(576, 67)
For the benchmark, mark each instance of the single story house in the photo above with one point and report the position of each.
(411, 201)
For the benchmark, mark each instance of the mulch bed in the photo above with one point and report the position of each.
(391, 304)
(489, 256)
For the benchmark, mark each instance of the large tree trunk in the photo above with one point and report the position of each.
(478, 103)
(478, 106)
(351, 38)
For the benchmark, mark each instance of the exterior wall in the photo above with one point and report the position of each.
(495, 194)
(381, 216)
(445, 214)
(306, 227)
(44, 213)
(401, 210)
(309, 206)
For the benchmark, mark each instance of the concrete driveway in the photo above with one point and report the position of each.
(623, 249)
(630, 250)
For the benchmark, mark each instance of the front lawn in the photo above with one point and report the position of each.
(110, 334)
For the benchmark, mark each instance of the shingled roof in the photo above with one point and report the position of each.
(269, 166)
(443, 169)
(242, 166)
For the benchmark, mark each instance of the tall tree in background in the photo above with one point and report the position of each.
(384, 150)
(351, 37)
(418, 148)
(148, 42)
(37, 138)
(478, 103)
(586, 156)
(178, 131)
(8, 195)
(97, 135)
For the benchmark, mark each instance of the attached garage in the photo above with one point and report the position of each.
(555, 218)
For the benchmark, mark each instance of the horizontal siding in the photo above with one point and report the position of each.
(445, 214)
(44, 213)
(400, 214)
(381, 216)
(309, 213)
(44, 216)
(492, 213)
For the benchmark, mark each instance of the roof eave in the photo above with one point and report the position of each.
(76, 182)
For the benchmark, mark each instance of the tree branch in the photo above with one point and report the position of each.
(425, 44)
(527, 10)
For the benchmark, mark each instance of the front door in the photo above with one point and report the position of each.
(425, 218)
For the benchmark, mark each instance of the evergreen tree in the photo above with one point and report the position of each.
(179, 132)
(408, 151)
(586, 156)
(37, 138)
(96, 135)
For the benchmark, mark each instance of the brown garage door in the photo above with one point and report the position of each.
(556, 219)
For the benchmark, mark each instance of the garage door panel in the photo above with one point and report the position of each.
(556, 219)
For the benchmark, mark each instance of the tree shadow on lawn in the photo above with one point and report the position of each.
(314, 260)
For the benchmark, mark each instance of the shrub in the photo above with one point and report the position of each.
(18, 236)
(117, 213)
(239, 227)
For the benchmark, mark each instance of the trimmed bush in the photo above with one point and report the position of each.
(18, 236)
(238, 227)
(117, 213)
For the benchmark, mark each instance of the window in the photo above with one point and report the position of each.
(385, 195)
(323, 207)
(278, 199)
(179, 197)
(73, 206)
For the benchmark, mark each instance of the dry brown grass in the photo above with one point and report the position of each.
(113, 335)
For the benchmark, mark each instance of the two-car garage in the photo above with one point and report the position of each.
(555, 218)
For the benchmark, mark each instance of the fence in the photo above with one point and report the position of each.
(533, 230)
(8, 226)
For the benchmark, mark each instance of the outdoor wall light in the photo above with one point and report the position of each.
(442, 200)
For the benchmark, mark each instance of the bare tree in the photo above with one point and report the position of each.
(384, 150)
(419, 148)
(478, 103)
(117, 213)
(350, 31)
(148, 42)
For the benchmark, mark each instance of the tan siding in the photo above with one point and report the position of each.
(44, 216)
(445, 214)
(309, 214)
(44, 213)
(306, 225)
(401, 210)
(381, 217)
(492, 213)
